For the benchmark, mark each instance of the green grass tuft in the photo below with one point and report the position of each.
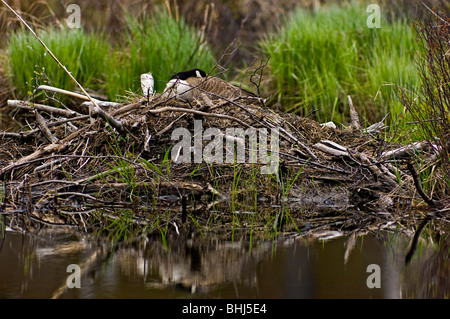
(159, 44)
(318, 58)
(83, 54)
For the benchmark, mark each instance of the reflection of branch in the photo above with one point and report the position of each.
(416, 239)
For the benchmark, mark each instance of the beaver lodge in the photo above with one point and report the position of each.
(115, 169)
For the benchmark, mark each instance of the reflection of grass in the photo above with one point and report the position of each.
(317, 59)
(83, 54)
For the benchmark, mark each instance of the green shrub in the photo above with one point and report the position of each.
(318, 58)
(159, 44)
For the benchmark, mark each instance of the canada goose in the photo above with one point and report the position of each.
(147, 84)
(190, 85)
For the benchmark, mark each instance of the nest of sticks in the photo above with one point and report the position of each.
(104, 158)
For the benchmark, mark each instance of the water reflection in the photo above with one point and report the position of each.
(34, 266)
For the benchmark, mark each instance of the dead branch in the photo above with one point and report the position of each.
(377, 171)
(45, 108)
(44, 128)
(16, 135)
(418, 185)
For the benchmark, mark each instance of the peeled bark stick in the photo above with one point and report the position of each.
(353, 114)
(409, 150)
(44, 128)
(334, 145)
(41, 107)
(102, 103)
(57, 90)
(115, 123)
(329, 150)
(80, 96)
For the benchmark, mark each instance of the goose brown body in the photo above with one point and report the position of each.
(215, 88)
(192, 85)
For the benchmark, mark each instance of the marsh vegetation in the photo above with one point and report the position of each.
(78, 169)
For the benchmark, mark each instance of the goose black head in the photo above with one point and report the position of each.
(194, 73)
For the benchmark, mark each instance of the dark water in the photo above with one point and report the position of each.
(35, 266)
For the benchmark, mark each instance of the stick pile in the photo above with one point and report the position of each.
(77, 161)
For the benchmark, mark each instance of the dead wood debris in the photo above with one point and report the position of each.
(71, 163)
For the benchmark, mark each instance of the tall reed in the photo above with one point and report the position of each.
(318, 58)
(157, 43)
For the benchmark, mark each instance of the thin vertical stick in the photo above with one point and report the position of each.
(353, 114)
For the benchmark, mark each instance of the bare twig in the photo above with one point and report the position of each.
(419, 188)
(45, 108)
(168, 127)
(44, 128)
(434, 13)
(259, 76)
